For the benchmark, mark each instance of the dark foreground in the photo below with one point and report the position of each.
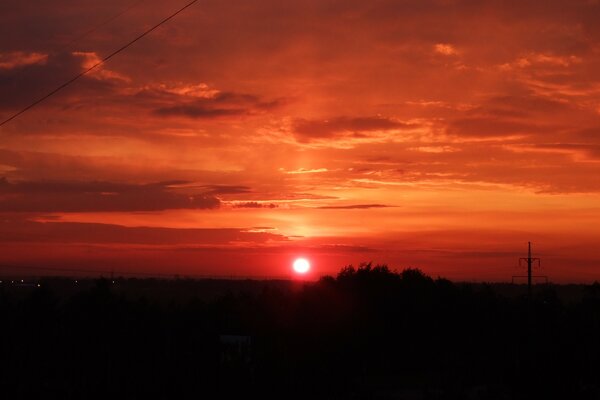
(366, 334)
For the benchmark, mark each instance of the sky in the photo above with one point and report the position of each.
(434, 134)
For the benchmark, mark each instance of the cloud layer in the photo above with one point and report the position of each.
(341, 125)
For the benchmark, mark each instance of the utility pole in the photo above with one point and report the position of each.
(527, 355)
(529, 260)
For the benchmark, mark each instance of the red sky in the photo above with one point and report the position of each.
(441, 135)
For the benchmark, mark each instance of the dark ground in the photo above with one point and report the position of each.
(368, 333)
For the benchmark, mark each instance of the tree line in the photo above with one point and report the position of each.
(368, 332)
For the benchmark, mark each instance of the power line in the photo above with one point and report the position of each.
(104, 60)
(77, 39)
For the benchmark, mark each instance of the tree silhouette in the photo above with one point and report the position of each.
(368, 332)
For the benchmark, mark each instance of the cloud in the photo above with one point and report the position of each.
(221, 104)
(540, 60)
(590, 134)
(286, 249)
(226, 189)
(491, 127)
(254, 204)
(527, 104)
(591, 151)
(307, 130)
(23, 230)
(307, 171)
(26, 82)
(445, 49)
(18, 59)
(81, 166)
(92, 196)
(354, 207)
(510, 115)
(192, 90)
(90, 59)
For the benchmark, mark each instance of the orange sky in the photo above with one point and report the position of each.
(441, 135)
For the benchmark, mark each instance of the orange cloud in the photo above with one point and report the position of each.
(445, 49)
(19, 59)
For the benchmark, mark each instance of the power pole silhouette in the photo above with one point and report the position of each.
(530, 261)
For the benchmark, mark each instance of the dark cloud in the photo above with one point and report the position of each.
(223, 104)
(508, 115)
(199, 111)
(25, 83)
(40, 166)
(522, 105)
(493, 127)
(287, 249)
(57, 196)
(254, 204)
(307, 130)
(591, 150)
(226, 189)
(14, 230)
(589, 135)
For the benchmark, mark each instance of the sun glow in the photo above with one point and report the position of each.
(301, 265)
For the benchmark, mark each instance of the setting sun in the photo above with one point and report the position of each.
(301, 265)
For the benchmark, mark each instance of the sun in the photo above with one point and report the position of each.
(301, 265)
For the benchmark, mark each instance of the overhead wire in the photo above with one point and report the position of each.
(78, 38)
(91, 68)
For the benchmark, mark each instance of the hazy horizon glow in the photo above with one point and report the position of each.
(442, 135)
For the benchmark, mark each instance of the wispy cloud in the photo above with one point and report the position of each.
(354, 207)
(19, 59)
